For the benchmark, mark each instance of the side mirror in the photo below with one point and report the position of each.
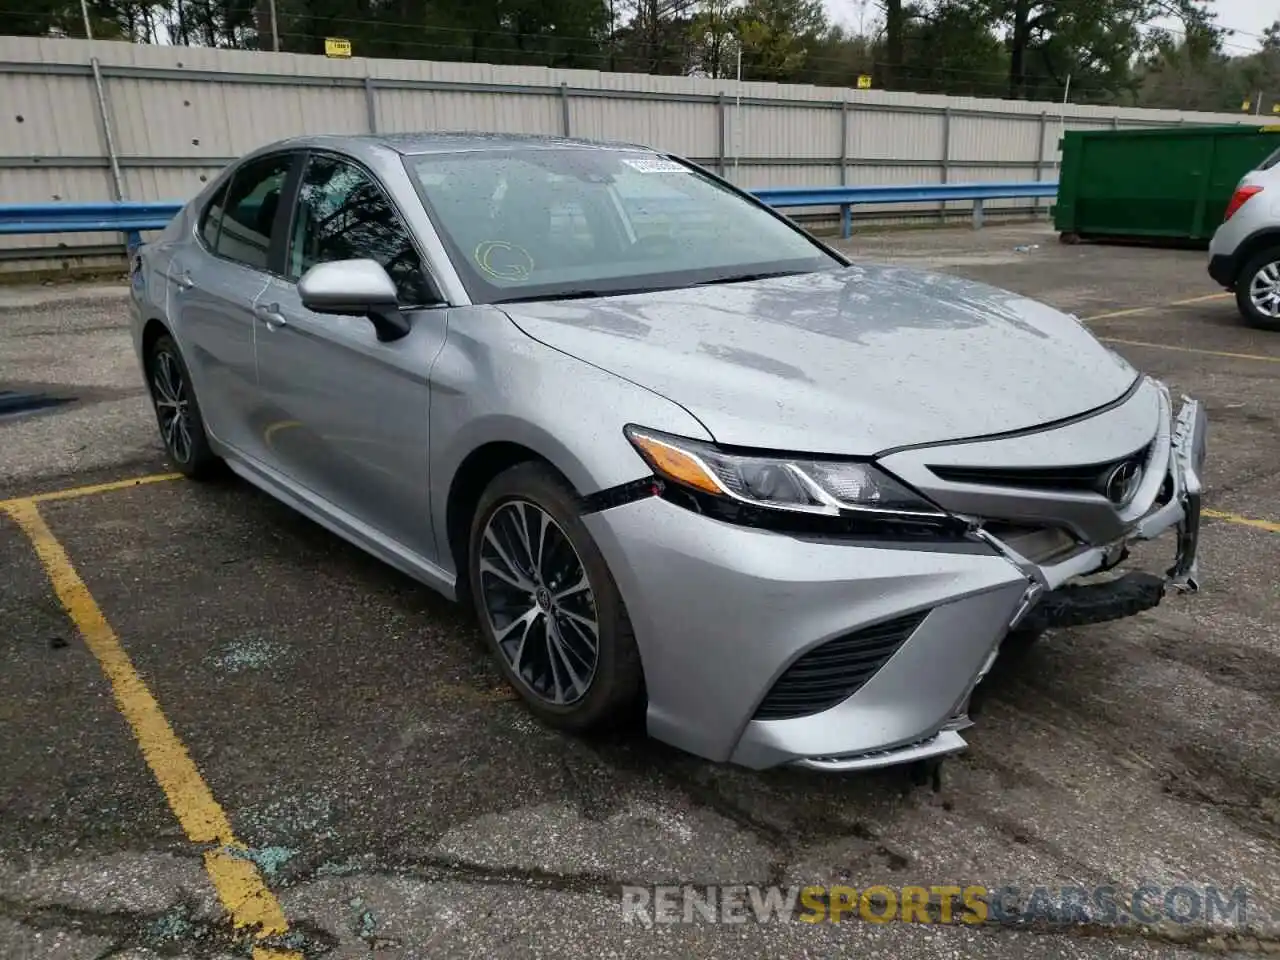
(359, 288)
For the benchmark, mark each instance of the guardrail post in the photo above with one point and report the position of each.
(844, 142)
(370, 105)
(977, 213)
(1044, 129)
(946, 158)
(132, 241)
(564, 110)
(846, 220)
(720, 138)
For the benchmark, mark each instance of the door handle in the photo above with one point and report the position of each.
(270, 315)
(184, 282)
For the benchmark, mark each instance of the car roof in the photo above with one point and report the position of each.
(412, 144)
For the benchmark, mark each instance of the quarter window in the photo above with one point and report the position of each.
(343, 215)
(249, 215)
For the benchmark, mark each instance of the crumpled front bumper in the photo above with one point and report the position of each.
(1175, 465)
(721, 612)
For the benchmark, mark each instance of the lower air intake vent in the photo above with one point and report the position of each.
(833, 672)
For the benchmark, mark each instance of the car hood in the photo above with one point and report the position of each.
(853, 361)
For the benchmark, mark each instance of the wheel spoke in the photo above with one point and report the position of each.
(513, 579)
(491, 538)
(182, 441)
(581, 584)
(522, 528)
(587, 637)
(169, 429)
(163, 393)
(579, 620)
(575, 642)
(561, 650)
(557, 688)
(538, 542)
(525, 620)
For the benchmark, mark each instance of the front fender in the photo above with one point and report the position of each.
(491, 383)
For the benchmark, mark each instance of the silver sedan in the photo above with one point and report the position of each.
(681, 457)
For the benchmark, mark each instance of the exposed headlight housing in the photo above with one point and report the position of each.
(801, 485)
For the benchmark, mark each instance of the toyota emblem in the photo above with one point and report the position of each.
(1120, 483)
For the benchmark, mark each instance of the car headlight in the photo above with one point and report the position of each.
(798, 484)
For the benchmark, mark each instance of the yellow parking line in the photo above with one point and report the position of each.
(1117, 313)
(1204, 299)
(1211, 353)
(1267, 525)
(240, 886)
(72, 492)
(1134, 311)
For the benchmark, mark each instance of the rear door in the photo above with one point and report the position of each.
(212, 288)
(349, 413)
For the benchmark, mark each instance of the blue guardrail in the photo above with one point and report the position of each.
(132, 218)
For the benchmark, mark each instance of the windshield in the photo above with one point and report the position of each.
(548, 223)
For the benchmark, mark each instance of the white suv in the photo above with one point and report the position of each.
(1244, 254)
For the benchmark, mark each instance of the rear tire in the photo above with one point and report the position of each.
(548, 607)
(1258, 290)
(177, 412)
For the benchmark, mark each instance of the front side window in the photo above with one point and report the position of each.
(343, 215)
(542, 223)
(249, 215)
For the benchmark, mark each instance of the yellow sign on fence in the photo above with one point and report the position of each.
(864, 82)
(337, 47)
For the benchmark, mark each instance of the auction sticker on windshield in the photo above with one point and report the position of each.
(655, 165)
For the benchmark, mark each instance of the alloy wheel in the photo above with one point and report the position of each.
(1264, 290)
(539, 602)
(173, 405)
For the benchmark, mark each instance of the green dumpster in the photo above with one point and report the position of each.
(1169, 183)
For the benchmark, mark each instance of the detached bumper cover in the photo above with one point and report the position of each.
(722, 612)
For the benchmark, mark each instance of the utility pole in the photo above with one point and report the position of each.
(275, 33)
(84, 11)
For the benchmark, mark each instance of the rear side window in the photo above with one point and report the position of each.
(1270, 162)
(248, 215)
(211, 219)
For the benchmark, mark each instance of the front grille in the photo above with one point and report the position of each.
(1085, 478)
(834, 671)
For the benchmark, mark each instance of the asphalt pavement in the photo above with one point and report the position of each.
(186, 660)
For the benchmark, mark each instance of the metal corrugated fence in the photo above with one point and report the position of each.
(99, 120)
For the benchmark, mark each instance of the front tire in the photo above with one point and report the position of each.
(1258, 290)
(549, 609)
(177, 412)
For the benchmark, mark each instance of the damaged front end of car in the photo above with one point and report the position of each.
(1085, 588)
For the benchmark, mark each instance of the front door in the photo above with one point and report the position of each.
(345, 415)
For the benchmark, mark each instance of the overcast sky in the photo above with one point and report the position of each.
(1247, 17)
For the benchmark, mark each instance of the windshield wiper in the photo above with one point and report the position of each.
(746, 277)
(577, 294)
